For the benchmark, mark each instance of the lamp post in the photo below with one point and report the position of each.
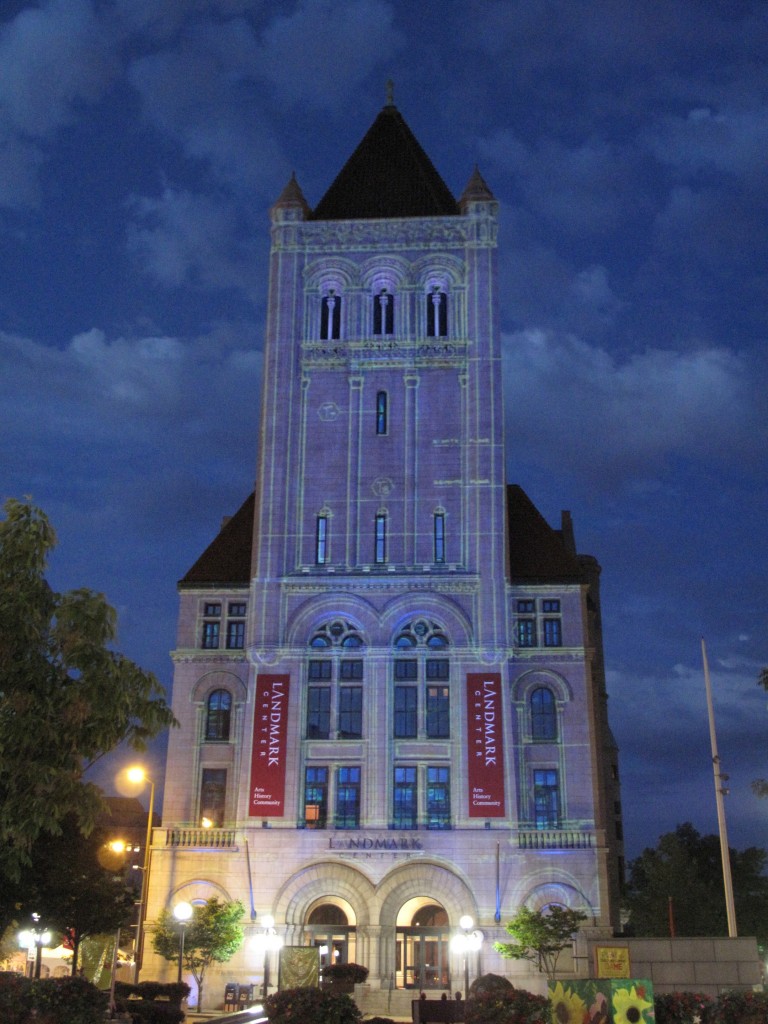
(270, 940)
(465, 942)
(182, 912)
(35, 937)
(137, 774)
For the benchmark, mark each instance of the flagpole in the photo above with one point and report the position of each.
(719, 792)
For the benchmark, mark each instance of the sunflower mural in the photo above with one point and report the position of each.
(602, 1001)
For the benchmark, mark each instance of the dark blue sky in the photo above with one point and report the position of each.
(141, 144)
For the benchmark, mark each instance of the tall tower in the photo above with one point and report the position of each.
(388, 671)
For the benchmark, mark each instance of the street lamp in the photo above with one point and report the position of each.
(137, 774)
(182, 912)
(269, 940)
(465, 942)
(36, 938)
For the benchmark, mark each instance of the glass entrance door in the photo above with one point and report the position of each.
(423, 953)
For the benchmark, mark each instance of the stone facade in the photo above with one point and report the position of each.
(388, 672)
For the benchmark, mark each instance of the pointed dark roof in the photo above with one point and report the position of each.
(226, 562)
(388, 175)
(537, 552)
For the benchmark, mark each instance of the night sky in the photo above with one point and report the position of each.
(141, 145)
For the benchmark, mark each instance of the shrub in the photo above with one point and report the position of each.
(681, 1007)
(68, 1001)
(300, 1005)
(739, 1008)
(489, 983)
(144, 1011)
(355, 973)
(379, 1020)
(15, 998)
(507, 1006)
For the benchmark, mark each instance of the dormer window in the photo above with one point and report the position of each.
(383, 313)
(330, 316)
(437, 314)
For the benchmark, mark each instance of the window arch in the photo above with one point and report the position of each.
(543, 714)
(383, 312)
(219, 710)
(330, 316)
(437, 313)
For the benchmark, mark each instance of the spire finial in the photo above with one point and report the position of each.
(390, 93)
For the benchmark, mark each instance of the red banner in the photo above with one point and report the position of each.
(485, 752)
(270, 732)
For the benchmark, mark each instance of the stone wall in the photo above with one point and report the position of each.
(708, 965)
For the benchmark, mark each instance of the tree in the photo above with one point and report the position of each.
(540, 936)
(66, 697)
(686, 868)
(69, 887)
(213, 934)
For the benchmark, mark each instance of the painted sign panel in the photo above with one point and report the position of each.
(612, 961)
(485, 745)
(270, 732)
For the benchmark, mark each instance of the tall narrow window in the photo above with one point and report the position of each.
(330, 317)
(380, 553)
(406, 708)
(439, 532)
(438, 797)
(316, 797)
(211, 635)
(348, 798)
(213, 794)
(321, 540)
(404, 798)
(235, 634)
(543, 714)
(383, 313)
(437, 314)
(553, 636)
(546, 798)
(381, 412)
(438, 712)
(318, 712)
(218, 716)
(350, 712)
(526, 632)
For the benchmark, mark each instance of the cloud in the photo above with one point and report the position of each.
(52, 58)
(181, 238)
(609, 418)
(336, 43)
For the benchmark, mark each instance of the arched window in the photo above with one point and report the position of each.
(437, 314)
(330, 316)
(543, 714)
(217, 721)
(383, 313)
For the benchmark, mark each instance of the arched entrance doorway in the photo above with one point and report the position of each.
(421, 946)
(330, 928)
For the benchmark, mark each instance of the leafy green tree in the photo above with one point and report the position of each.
(213, 934)
(540, 936)
(686, 868)
(66, 697)
(69, 887)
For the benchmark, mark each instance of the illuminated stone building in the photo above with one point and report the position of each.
(388, 669)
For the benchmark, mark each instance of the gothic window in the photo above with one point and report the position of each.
(330, 317)
(217, 720)
(383, 313)
(437, 314)
(543, 714)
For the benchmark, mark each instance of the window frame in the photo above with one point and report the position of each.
(218, 720)
(405, 797)
(348, 797)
